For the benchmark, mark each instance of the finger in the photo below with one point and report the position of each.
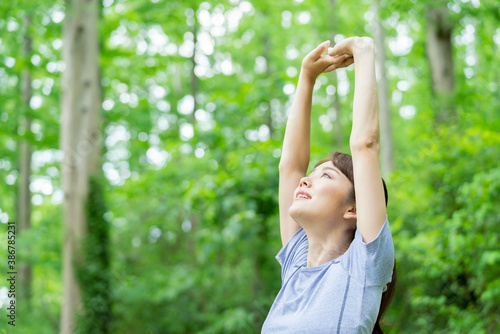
(342, 47)
(349, 61)
(330, 68)
(331, 63)
(340, 58)
(346, 61)
(339, 50)
(316, 53)
(327, 61)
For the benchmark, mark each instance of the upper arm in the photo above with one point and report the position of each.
(288, 182)
(370, 199)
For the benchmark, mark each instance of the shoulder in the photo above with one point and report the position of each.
(371, 262)
(293, 254)
(297, 243)
(383, 238)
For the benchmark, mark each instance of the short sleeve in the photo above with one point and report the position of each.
(371, 263)
(293, 255)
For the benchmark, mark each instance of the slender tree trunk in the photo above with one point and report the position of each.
(80, 139)
(177, 80)
(440, 54)
(24, 204)
(496, 72)
(194, 78)
(267, 56)
(337, 123)
(387, 155)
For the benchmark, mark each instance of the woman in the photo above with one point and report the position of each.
(338, 257)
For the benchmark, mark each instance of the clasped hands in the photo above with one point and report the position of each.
(341, 55)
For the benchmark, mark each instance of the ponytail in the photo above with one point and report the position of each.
(386, 300)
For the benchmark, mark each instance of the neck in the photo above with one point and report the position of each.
(325, 247)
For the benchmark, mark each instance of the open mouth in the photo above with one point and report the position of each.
(302, 195)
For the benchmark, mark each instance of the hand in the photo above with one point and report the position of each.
(316, 63)
(352, 46)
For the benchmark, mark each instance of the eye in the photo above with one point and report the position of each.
(327, 175)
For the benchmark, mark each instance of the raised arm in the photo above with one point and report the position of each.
(296, 144)
(365, 137)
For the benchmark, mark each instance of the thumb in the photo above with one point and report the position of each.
(320, 49)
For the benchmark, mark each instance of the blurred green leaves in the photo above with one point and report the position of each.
(193, 219)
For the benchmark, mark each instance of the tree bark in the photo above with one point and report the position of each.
(25, 151)
(338, 140)
(387, 153)
(440, 54)
(267, 55)
(194, 78)
(80, 138)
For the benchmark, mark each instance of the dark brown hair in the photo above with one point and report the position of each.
(344, 163)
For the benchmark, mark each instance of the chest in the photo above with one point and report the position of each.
(322, 290)
(318, 301)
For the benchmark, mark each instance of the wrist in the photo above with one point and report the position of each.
(306, 78)
(363, 45)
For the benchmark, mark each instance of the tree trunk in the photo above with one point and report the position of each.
(25, 151)
(267, 55)
(194, 78)
(80, 139)
(440, 54)
(338, 140)
(387, 155)
(496, 72)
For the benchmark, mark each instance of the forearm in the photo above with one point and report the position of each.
(296, 144)
(365, 126)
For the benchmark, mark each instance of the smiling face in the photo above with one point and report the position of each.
(322, 197)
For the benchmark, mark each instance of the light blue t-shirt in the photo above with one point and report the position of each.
(340, 296)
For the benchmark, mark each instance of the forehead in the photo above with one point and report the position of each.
(328, 165)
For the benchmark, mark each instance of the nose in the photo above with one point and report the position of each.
(305, 182)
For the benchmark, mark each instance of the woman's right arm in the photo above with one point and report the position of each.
(296, 144)
(295, 154)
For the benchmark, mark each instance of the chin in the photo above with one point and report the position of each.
(298, 214)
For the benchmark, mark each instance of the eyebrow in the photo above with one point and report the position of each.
(330, 168)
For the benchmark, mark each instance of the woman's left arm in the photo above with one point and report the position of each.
(365, 137)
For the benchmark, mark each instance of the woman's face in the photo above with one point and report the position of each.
(321, 196)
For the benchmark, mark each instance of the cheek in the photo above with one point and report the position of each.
(333, 195)
(332, 191)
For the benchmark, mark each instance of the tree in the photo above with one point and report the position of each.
(192, 214)
(80, 138)
(24, 197)
(440, 53)
(387, 155)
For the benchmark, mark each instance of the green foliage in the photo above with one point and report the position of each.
(93, 272)
(448, 236)
(189, 229)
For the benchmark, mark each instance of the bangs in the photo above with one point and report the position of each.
(342, 161)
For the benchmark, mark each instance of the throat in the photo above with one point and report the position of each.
(325, 249)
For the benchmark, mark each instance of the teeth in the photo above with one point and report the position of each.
(303, 196)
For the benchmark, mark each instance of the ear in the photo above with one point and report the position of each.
(350, 212)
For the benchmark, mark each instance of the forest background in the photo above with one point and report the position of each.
(175, 111)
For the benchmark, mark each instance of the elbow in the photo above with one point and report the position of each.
(365, 143)
(284, 166)
(287, 167)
